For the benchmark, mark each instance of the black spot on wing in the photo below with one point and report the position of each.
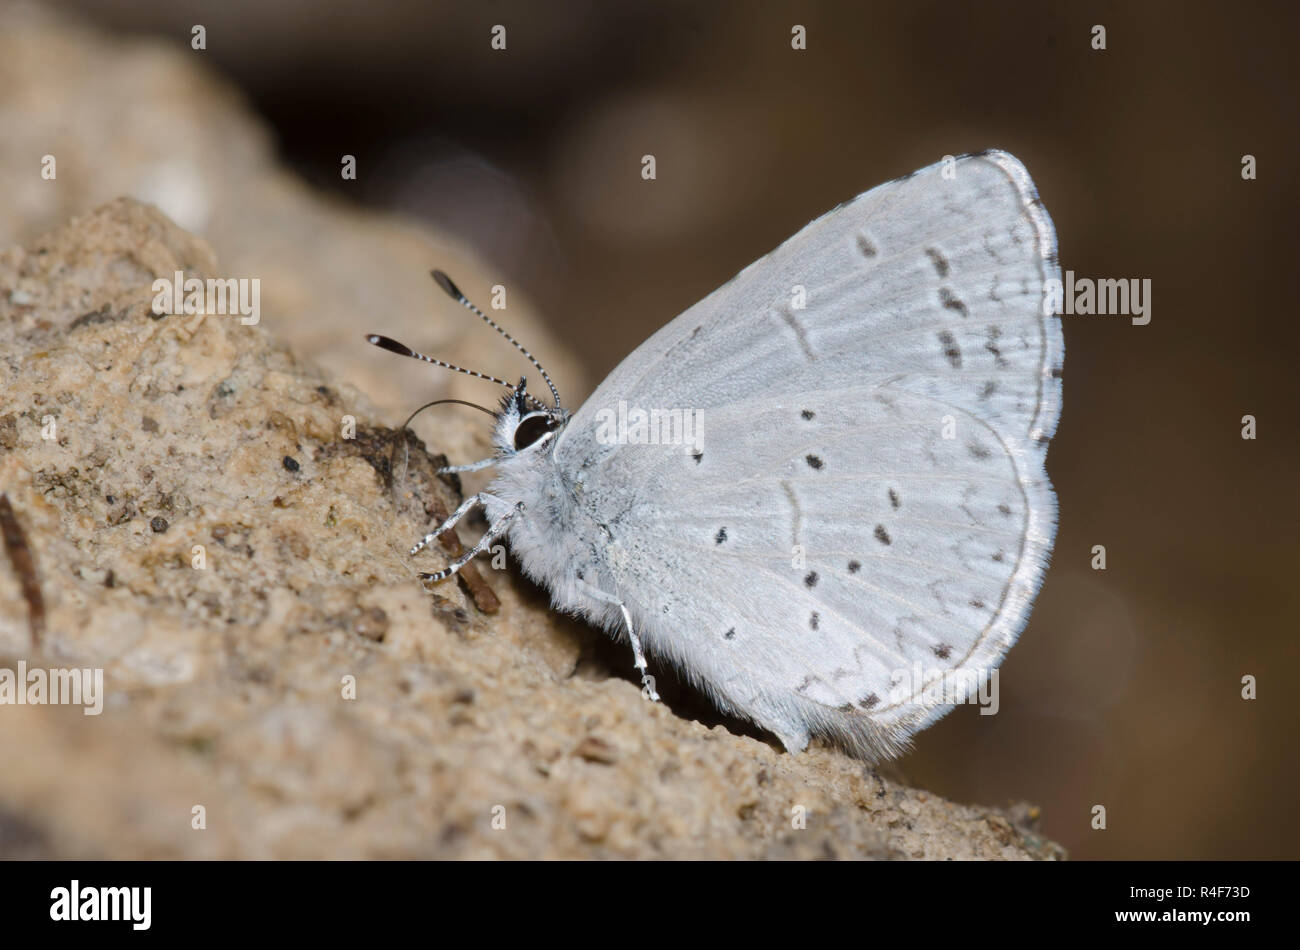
(950, 348)
(721, 535)
(807, 414)
(881, 534)
(950, 301)
(865, 246)
(698, 456)
(893, 499)
(730, 634)
(943, 651)
(869, 701)
(855, 566)
(813, 461)
(800, 332)
(992, 346)
(811, 579)
(938, 260)
(814, 620)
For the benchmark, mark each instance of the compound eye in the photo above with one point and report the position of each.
(531, 428)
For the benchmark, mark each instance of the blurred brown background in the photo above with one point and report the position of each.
(1125, 688)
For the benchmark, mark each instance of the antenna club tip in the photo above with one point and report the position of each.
(385, 343)
(446, 284)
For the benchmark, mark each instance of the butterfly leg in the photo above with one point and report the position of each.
(471, 467)
(494, 531)
(459, 513)
(638, 653)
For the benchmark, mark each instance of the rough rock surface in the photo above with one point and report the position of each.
(126, 440)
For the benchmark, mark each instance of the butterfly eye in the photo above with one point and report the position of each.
(531, 428)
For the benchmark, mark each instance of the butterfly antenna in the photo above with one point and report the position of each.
(406, 448)
(439, 402)
(454, 292)
(401, 349)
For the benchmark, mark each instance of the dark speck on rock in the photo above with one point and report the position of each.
(159, 524)
(291, 463)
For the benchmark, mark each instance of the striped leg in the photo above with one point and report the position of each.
(497, 528)
(471, 467)
(459, 513)
(638, 654)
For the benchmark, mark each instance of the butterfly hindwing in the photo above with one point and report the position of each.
(866, 491)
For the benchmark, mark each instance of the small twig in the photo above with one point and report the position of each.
(20, 556)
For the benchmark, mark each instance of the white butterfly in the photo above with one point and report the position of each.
(870, 498)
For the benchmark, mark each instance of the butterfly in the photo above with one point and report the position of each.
(854, 532)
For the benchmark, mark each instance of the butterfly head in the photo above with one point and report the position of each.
(525, 424)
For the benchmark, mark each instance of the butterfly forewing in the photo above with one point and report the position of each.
(866, 493)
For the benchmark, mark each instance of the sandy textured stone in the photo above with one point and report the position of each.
(225, 684)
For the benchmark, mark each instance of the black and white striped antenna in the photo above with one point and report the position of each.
(401, 349)
(453, 291)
